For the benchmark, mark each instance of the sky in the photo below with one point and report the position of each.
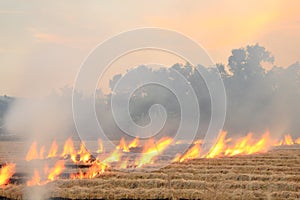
(42, 44)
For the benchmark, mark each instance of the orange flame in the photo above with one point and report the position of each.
(288, 140)
(84, 154)
(96, 169)
(56, 170)
(32, 153)
(100, 149)
(53, 150)
(152, 150)
(69, 150)
(198, 141)
(223, 147)
(192, 153)
(36, 179)
(51, 174)
(6, 172)
(115, 156)
(134, 143)
(123, 145)
(245, 146)
(219, 147)
(179, 142)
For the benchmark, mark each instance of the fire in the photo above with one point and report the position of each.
(198, 142)
(97, 168)
(56, 170)
(115, 156)
(50, 174)
(69, 150)
(223, 147)
(192, 153)
(32, 153)
(134, 143)
(36, 179)
(179, 142)
(6, 172)
(226, 147)
(286, 141)
(84, 154)
(152, 150)
(245, 146)
(53, 150)
(219, 147)
(100, 149)
(123, 145)
(242, 146)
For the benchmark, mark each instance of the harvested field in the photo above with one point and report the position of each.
(272, 175)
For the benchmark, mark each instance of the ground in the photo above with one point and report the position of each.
(272, 175)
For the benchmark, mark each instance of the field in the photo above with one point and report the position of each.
(272, 175)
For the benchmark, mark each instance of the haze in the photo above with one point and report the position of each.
(43, 44)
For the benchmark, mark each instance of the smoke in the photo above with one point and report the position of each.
(257, 100)
(41, 119)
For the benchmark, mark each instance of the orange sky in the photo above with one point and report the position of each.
(43, 44)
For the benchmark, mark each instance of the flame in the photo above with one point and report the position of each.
(179, 142)
(84, 154)
(69, 150)
(36, 179)
(134, 143)
(100, 149)
(288, 140)
(297, 141)
(53, 150)
(6, 172)
(223, 147)
(219, 147)
(115, 156)
(79, 175)
(198, 141)
(192, 153)
(152, 150)
(95, 169)
(32, 153)
(242, 146)
(51, 174)
(123, 145)
(246, 146)
(56, 170)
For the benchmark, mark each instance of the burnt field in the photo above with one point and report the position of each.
(271, 175)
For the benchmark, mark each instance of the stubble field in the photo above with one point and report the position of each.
(272, 175)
